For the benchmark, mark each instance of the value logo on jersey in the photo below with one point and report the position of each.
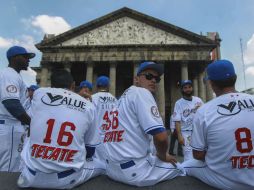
(106, 99)
(11, 89)
(235, 107)
(57, 100)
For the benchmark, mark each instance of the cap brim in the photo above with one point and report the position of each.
(30, 55)
(159, 68)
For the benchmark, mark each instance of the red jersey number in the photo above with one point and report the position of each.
(243, 140)
(111, 120)
(65, 137)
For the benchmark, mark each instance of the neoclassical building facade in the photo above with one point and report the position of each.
(115, 44)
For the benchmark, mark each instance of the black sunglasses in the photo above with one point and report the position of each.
(150, 76)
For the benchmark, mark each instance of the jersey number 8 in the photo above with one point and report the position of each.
(240, 141)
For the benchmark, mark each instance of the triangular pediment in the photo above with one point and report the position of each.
(125, 27)
(125, 31)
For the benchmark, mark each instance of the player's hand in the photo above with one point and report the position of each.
(181, 139)
(171, 159)
(167, 158)
(197, 106)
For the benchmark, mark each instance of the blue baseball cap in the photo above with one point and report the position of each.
(86, 84)
(33, 87)
(102, 81)
(159, 68)
(220, 70)
(18, 50)
(184, 82)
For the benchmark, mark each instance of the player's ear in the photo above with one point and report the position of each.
(136, 80)
(72, 87)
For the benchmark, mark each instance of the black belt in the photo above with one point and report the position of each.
(2, 121)
(60, 174)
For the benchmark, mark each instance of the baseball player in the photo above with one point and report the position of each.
(223, 132)
(85, 90)
(127, 142)
(62, 136)
(184, 111)
(12, 113)
(105, 104)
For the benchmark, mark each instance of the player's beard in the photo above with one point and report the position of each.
(187, 94)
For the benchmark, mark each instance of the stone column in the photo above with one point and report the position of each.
(95, 76)
(49, 77)
(184, 71)
(135, 70)
(112, 76)
(201, 86)
(44, 76)
(195, 86)
(160, 97)
(209, 91)
(89, 72)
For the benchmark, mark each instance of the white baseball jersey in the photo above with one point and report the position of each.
(137, 115)
(224, 128)
(62, 123)
(11, 87)
(11, 130)
(104, 103)
(185, 110)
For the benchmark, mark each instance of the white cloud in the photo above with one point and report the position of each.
(248, 54)
(28, 42)
(29, 76)
(250, 71)
(49, 24)
(4, 42)
(25, 40)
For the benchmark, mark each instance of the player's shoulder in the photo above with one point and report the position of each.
(197, 99)
(9, 72)
(180, 101)
(140, 90)
(209, 106)
(245, 95)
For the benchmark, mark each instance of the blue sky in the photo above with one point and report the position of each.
(24, 22)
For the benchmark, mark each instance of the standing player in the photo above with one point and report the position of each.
(127, 142)
(223, 132)
(62, 124)
(85, 90)
(184, 111)
(105, 103)
(12, 113)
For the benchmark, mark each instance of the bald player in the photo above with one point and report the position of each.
(223, 132)
(127, 142)
(12, 113)
(62, 136)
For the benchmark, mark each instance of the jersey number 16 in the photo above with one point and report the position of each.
(62, 133)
